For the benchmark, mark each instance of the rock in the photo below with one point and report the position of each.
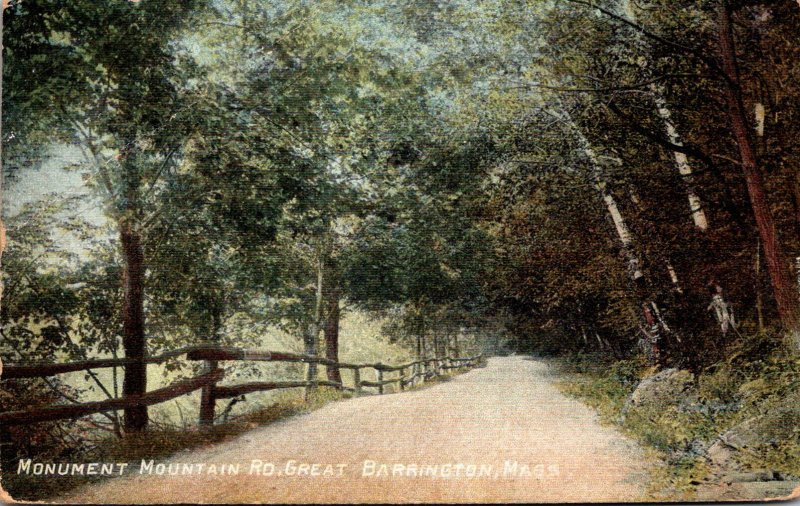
(744, 435)
(730, 442)
(747, 491)
(758, 475)
(666, 387)
(757, 490)
(721, 454)
(751, 434)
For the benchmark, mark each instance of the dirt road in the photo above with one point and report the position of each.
(501, 433)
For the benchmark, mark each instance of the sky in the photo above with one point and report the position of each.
(49, 181)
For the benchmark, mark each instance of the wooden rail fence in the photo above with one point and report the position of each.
(408, 374)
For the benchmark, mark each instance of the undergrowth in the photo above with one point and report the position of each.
(161, 440)
(747, 387)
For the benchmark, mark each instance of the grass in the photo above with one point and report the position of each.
(677, 430)
(162, 440)
(605, 386)
(170, 428)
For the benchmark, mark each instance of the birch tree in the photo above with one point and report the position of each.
(652, 317)
(600, 183)
(681, 160)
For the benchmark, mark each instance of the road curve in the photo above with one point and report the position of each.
(503, 433)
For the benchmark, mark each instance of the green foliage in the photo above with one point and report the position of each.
(782, 455)
(445, 165)
(666, 429)
(759, 391)
(158, 442)
(603, 386)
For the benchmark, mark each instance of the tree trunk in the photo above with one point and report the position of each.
(598, 179)
(312, 330)
(796, 201)
(332, 336)
(421, 351)
(673, 276)
(216, 324)
(759, 302)
(681, 161)
(2, 225)
(785, 295)
(133, 337)
(213, 329)
(310, 342)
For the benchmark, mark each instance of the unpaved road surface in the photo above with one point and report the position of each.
(502, 433)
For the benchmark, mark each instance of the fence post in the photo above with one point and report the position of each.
(311, 379)
(357, 380)
(380, 378)
(402, 379)
(207, 400)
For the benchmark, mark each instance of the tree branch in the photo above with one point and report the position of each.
(697, 53)
(631, 87)
(727, 204)
(659, 139)
(157, 176)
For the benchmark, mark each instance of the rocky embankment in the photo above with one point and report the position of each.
(725, 452)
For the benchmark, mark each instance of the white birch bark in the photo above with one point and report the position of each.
(598, 178)
(681, 161)
(673, 276)
(760, 114)
(797, 269)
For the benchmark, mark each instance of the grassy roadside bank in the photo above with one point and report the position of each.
(733, 418)
(163, 440)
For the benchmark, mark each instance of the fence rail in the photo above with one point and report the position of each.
(42, 370)
(87, 408)
(419, 370)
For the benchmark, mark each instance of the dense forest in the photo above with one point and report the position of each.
(612, 177)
